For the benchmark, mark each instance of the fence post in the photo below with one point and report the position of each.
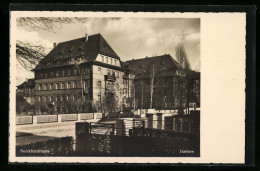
(123, 130)
(90, 128)
(58, 118)
(34, 119)
(113, 130)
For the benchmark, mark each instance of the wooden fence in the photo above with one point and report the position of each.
(47, 118)
(69, 117)
(22, 120)
(86, 116)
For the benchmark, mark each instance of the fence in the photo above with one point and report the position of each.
(47, 118)
(86, 116)
(98, 115)
(111, 145)
(22, 120)
(69, 117)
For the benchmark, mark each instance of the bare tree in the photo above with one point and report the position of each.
(46, 23)
(29, 55)
(184, 63)
(181, 56)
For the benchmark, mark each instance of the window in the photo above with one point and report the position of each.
(62, 85)
(67, 97)
(73, 84)
(46, 98)
(56, 98)
(57, 86)
(46, 85)
(57, 74)
(51, 86)
(39, 98)
(51, 98)
(40, 75)
(111, 61)
(102, 58)
(85, 98)
(68, 85)
(68, 73)
(125, 91)
(99, 70)
(115, 62)
(75, 71)
(63, 73)
(61, 98)
(51, 74)
(99, 98)
(107, 60)
(108, 72)
(74, 97)
(83, 71)
(40, 87)
(125, 81)
(46, 75)
(99, 84)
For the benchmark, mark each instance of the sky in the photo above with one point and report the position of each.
(131, 38)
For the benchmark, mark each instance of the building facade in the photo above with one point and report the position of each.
(161, 83)
(80, 76)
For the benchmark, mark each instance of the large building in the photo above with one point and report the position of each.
(86, 75)
(80, 76)
(161, 83)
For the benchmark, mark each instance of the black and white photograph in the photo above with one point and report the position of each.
(107, 86)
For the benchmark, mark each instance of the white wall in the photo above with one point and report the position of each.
(99, 59)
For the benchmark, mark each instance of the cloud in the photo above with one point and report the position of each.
(131, 37)
(193, 37)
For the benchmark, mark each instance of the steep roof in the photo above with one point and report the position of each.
(64, 51)
(144, 65)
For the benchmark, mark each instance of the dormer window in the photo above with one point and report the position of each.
(111, 60)
(102, 58)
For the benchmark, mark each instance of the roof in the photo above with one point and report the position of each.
(144, 65)
(193, 75)
(65, 51)
(29, 84)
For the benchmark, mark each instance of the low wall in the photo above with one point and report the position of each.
(68, 117)
(47, 118)
(86, 116)
(97, 115)
(22, 120)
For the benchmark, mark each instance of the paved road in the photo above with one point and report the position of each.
(27, 134)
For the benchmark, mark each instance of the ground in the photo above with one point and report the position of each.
(27, 134)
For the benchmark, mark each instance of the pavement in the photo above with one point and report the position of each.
(27, 134)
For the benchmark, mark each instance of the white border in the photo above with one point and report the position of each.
(222, 88)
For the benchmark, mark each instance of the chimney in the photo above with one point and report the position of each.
(86, 36)
(54, 44)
